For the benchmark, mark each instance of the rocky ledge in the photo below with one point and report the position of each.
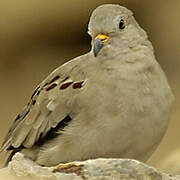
(98, 169)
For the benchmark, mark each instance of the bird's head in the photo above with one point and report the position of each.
(114, 30)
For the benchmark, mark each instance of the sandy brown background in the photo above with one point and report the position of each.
(37, 36)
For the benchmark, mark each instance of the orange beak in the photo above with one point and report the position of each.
(99, 41)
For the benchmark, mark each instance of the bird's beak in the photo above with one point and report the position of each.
(99, 41)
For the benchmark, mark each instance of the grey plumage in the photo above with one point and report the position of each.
(118, 102)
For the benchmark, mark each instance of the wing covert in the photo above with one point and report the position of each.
(47, 107)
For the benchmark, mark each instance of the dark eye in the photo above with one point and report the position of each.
(122, 24)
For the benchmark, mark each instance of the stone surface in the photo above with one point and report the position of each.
(99, 169)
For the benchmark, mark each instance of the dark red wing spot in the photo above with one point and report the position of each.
(65, 85)
(77, 85)
(51, 86)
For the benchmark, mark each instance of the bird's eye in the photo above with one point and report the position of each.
(122, 24)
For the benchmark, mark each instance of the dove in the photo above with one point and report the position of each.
(113, 102)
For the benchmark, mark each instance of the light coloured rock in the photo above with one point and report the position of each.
(99, 169)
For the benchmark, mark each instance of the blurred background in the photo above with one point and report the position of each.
(37, 36)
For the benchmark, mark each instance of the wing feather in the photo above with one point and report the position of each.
(46, 109)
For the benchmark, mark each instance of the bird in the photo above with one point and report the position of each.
(112, 102)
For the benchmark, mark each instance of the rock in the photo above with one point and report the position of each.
(98, 169)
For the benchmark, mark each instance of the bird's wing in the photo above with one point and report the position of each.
(48, 109)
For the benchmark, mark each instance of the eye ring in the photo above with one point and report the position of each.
(122, 24)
